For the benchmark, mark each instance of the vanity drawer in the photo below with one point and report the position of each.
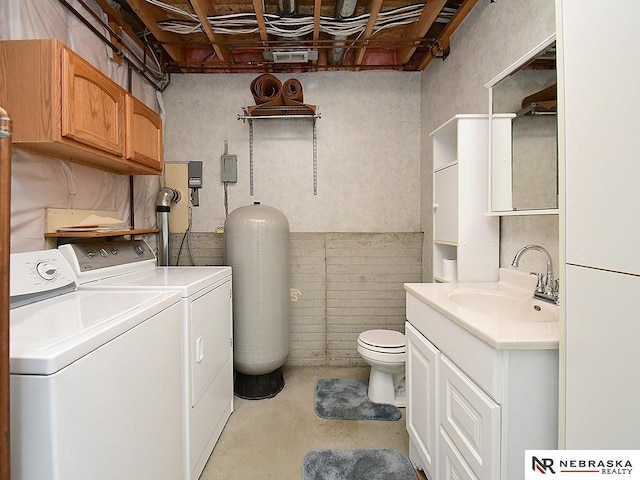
(471, 419)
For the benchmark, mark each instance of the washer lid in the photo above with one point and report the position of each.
(383, 338)
(49, 335)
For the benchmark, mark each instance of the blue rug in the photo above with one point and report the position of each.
(361, 464)
(346, 399)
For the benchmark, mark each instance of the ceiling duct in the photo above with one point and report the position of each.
(344, 9)
(287, 8)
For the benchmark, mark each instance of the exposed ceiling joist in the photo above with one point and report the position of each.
(219, 36)
(151, 16)
(374, 10)
(201, 8)
(445, 37)
(419, 29)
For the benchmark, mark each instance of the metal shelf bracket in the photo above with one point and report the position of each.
(245, 117)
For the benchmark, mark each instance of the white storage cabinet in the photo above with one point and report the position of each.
(461, 229)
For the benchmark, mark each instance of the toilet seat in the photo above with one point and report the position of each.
(383, 341)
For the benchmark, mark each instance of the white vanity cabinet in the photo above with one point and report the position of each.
(461, 229)
(473, 409)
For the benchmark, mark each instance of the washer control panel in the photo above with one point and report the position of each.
(39, 275)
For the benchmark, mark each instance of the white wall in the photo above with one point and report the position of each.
(492, 37)
(368, 150)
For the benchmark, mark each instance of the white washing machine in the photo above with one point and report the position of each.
(94, 378)
(207, 330)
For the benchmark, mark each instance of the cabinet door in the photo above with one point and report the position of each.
(602, 332)
(445, 206)
(143, 135)
(600, 137)
(471, 419)
(452, 465)
(92, 106)
(422, 382)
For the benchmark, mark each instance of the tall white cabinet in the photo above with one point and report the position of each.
(598, 152)
(461, 229)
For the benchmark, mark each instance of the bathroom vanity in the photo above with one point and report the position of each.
(482, 377)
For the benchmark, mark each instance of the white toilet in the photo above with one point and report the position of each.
(385, 352)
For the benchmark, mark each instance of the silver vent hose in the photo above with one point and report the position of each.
(165, 197)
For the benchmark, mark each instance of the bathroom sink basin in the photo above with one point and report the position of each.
(504, 306)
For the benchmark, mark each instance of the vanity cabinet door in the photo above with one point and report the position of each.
(92, 106)
(452, 465)
(471, 419)
(422, 410)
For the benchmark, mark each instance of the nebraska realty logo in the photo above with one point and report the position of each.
(582, 464)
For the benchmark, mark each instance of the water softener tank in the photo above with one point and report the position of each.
(257, 249)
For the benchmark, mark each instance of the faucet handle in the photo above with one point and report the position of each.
(540, 277)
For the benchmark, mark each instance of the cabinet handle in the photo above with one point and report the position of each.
(435, 206)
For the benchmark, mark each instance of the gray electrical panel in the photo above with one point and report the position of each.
(229, 168)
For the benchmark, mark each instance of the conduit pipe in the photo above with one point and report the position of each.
(163, 207)
(344, 9)
(287, 8)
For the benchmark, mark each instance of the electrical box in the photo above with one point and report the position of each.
(195, 174)
(229, 168)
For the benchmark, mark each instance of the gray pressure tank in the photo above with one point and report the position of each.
(257, 249)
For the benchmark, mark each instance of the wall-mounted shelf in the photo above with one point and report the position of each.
(101, 233)
(283, 113)
(58, 220)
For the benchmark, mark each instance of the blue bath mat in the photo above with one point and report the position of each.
(360, 464)
(346, 399)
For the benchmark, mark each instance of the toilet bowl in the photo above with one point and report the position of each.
(385, 352)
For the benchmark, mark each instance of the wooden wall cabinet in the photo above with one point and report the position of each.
(63, 107)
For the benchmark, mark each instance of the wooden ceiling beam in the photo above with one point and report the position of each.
(420, 28)
(201, 8)
(374, 10)
(262, 27)
(116, 16)
(150, 16)
(445, 36)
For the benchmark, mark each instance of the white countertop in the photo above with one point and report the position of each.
(499, 332)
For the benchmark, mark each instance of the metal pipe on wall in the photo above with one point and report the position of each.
(5, 243)
(163, 207)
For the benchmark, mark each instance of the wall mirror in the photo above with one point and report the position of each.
(524, 135)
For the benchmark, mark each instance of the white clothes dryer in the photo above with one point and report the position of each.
(94, 386)
(207, 330)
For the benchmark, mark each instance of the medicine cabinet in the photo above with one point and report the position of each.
(523, 135)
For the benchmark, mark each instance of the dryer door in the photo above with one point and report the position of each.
(210, 339)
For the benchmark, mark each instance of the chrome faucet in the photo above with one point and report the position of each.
(547, 287)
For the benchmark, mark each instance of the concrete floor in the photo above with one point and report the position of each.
(267, 439)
